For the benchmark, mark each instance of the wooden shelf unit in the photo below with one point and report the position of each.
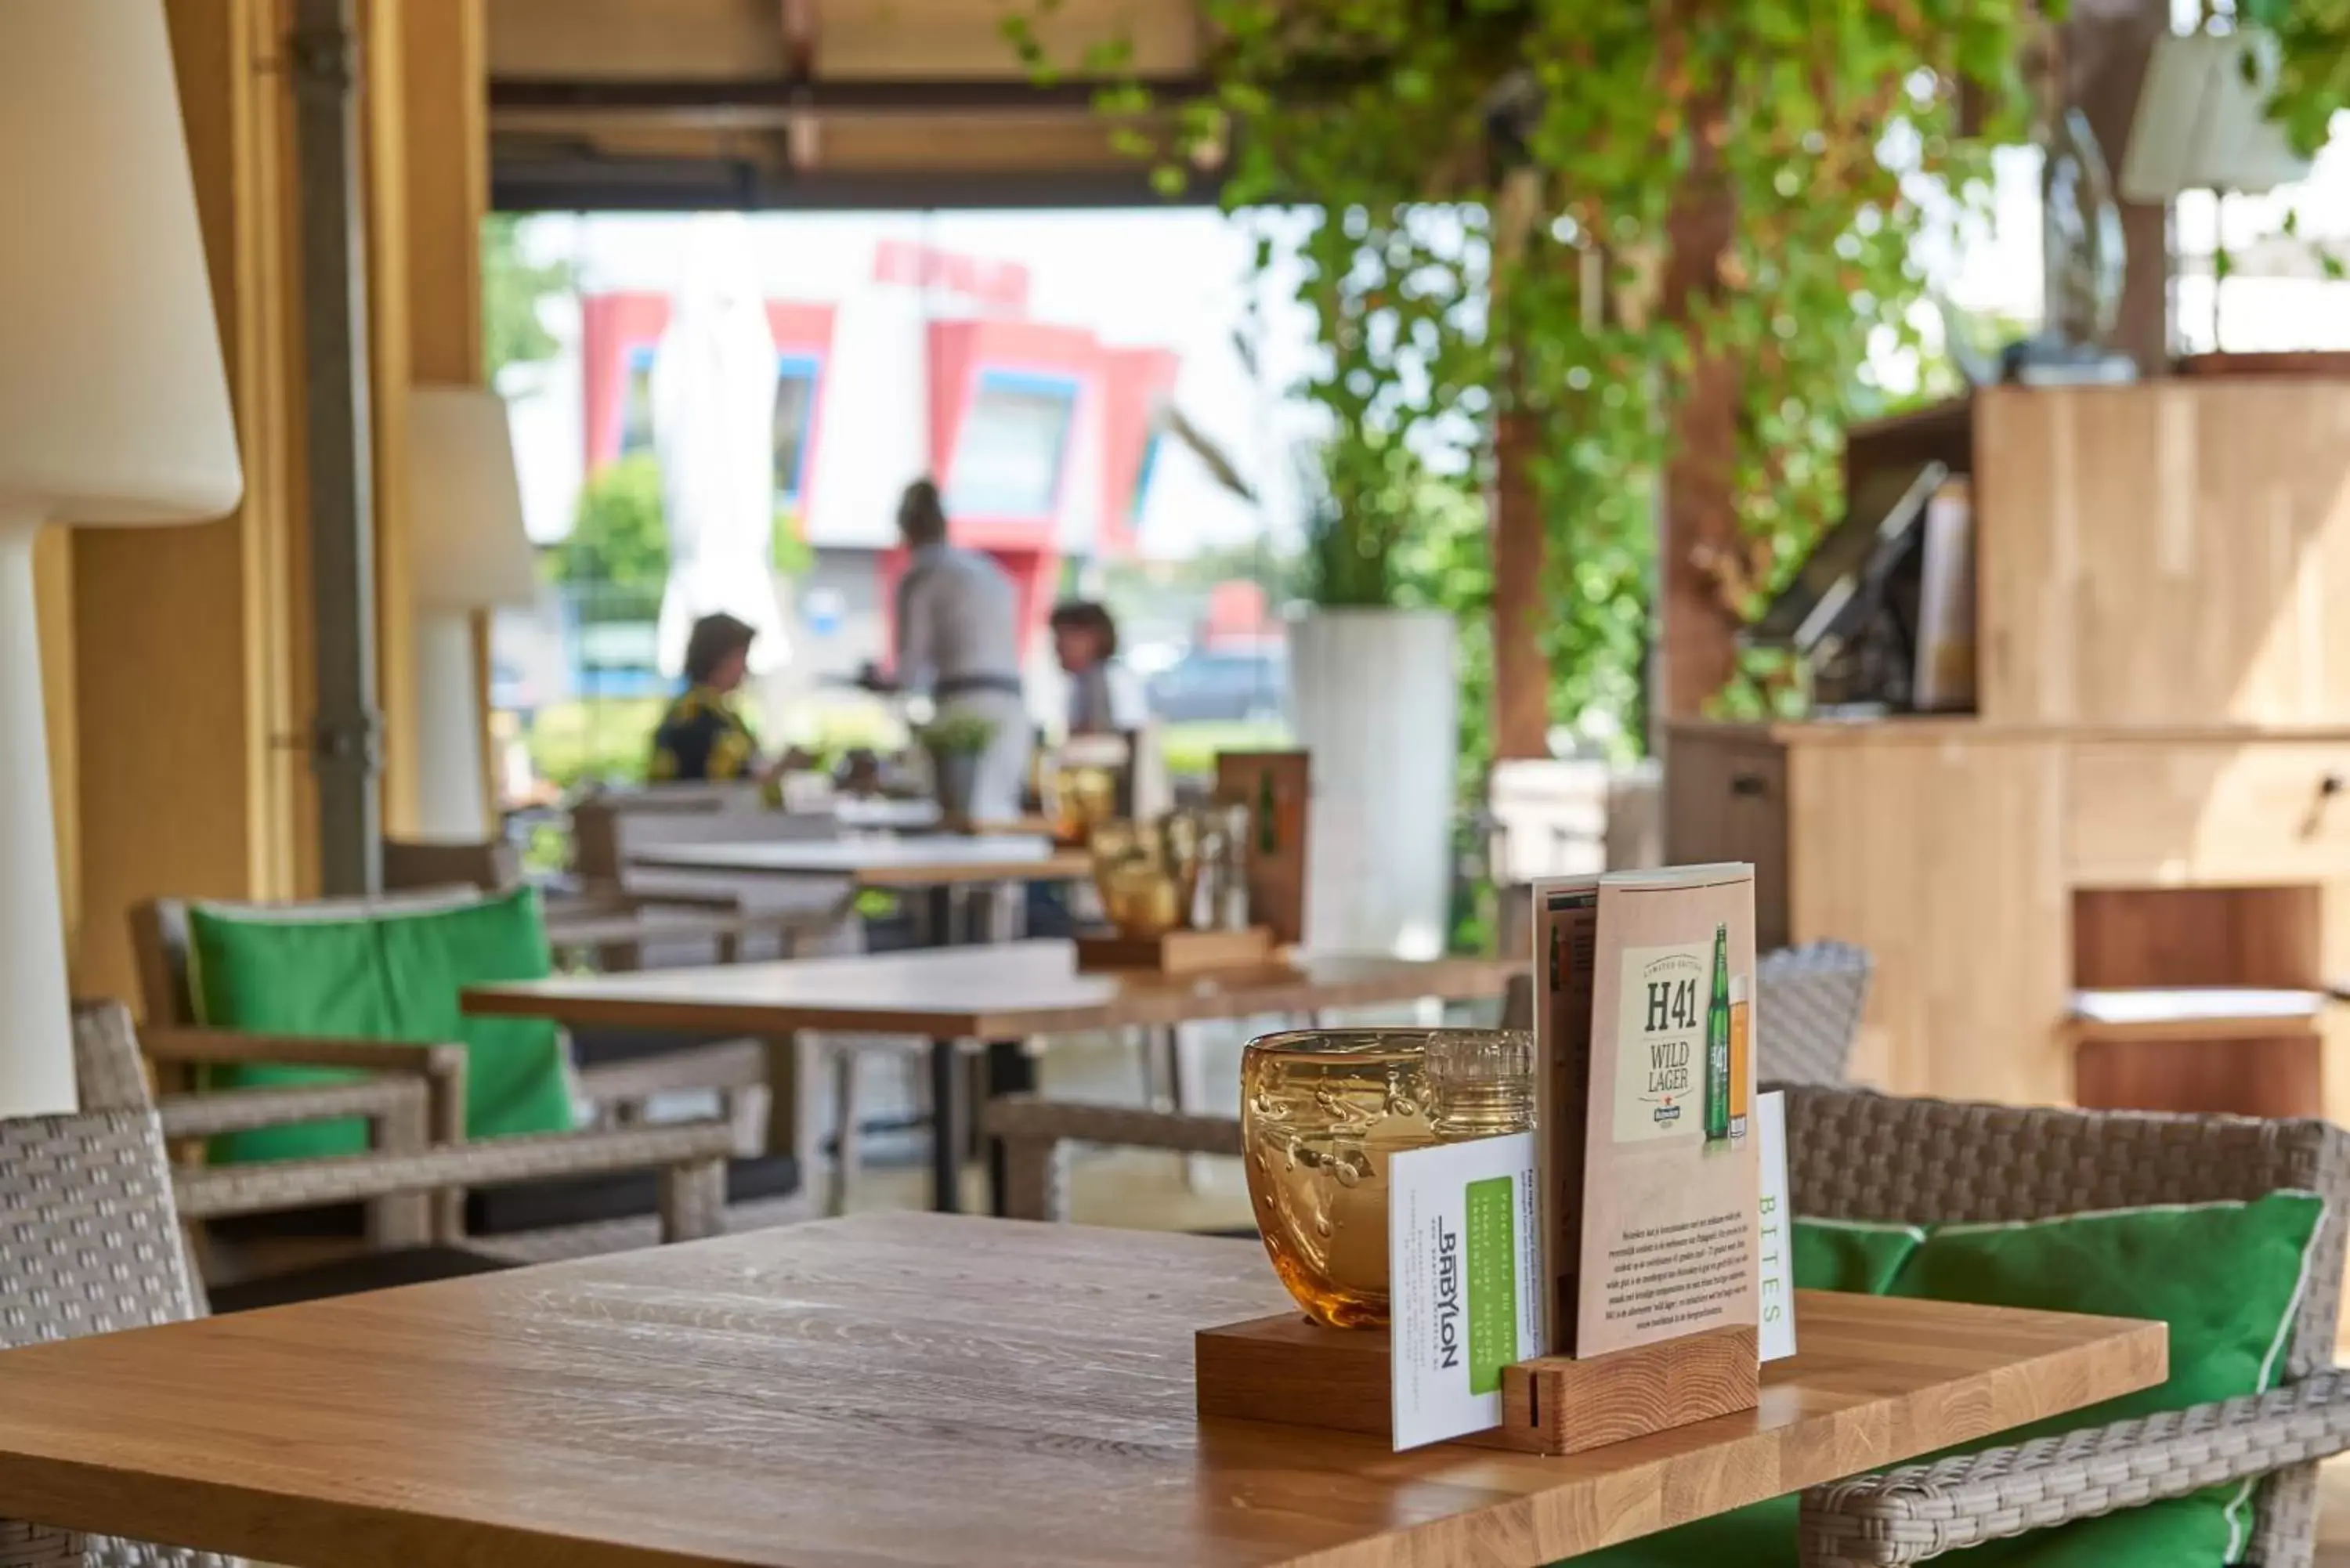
(2156, 790)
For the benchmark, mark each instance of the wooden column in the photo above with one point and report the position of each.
(179, 670)
(383, 45)
(445, 92)
(53, 609)
(1520, 535)
(1696, 648)
(2106, 46)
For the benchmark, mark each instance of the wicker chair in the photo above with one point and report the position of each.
(175, 1047)
(1811, 999)
(690, 1158)
(1860, 1156)
(88, 1244)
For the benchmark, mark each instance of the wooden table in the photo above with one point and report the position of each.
(998, 995)
(904, 1390)
(899, 862)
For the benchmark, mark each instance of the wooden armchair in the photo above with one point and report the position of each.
(619, 1140)
(1853, 1155)
(408, 1093)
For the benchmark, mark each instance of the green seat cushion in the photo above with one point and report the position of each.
(2177, 1533)
(396, 975)
(1851, 1255)
(2226, 1277)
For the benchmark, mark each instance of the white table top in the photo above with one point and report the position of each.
(908, 860)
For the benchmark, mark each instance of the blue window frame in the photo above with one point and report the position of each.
(1142, 475)
(1007, 457)
(637, 401)
(795, 389)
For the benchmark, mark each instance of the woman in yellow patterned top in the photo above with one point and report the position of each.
(701, 738)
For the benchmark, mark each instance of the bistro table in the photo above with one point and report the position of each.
(912, 1391)
(998, 996)
(936, 863)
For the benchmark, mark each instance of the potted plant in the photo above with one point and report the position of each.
(1374, 697)
(953, 743)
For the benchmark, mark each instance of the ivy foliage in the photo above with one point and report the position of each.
(1567, 213)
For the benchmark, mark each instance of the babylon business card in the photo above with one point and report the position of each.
(1465, 1282)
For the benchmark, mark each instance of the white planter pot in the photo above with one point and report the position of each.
(1375, 697)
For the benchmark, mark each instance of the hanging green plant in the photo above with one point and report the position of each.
(1572, 214)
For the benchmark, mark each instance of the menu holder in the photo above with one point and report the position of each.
(1176, 952)
(1291, 1370)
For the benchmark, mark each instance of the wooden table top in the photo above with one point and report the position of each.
(899, 1390)
(1003, 991)
(903, 860)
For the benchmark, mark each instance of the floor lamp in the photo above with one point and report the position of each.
(468, 551)
(113, 409)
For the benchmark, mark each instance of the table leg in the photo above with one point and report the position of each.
(1010, 1071)
(793, 1107)
(949, 1115)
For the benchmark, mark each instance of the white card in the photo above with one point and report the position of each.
(1464, 1282)
(1775, 1302)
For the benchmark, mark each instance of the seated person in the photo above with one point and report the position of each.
(701, 738)
(1105, 698)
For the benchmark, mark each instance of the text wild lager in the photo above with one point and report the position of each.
(1717, 1042)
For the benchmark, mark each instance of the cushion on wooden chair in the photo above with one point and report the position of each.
(391, 973)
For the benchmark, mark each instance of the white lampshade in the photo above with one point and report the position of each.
(2201, 126)
(113, 407)
(467, 548)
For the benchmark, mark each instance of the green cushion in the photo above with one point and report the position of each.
(1851, 1255)
(2226, 1277)
(2177, 1533)
(394, 976)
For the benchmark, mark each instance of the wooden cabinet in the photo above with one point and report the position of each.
(2184, 810)
(1993, 870)
(2153, 794)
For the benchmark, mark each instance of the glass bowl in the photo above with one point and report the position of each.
(1324, 1110)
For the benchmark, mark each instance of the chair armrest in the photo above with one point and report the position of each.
(1029, 1119)
(211, 1192)
(1918, 1511)
(442, 1066)
(244, 1110)
(228, 1047)
(734, 1065)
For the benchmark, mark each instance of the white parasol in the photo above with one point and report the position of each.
(714, 405)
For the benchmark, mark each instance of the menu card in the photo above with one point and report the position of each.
(1648, 1170)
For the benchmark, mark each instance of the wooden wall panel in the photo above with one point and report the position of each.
(2176, 553)
(1944, 859)
(179, 671)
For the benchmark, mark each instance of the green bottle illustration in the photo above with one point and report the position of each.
(1264, 836)
(1717, 1042)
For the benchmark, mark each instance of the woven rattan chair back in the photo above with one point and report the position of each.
(88, 1244)
(1807, 1011)
(1854, 1155)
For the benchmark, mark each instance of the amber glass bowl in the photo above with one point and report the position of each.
(1324, 1110)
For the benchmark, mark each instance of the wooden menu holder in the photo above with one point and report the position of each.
(1293, 1370)
(1176, 952)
